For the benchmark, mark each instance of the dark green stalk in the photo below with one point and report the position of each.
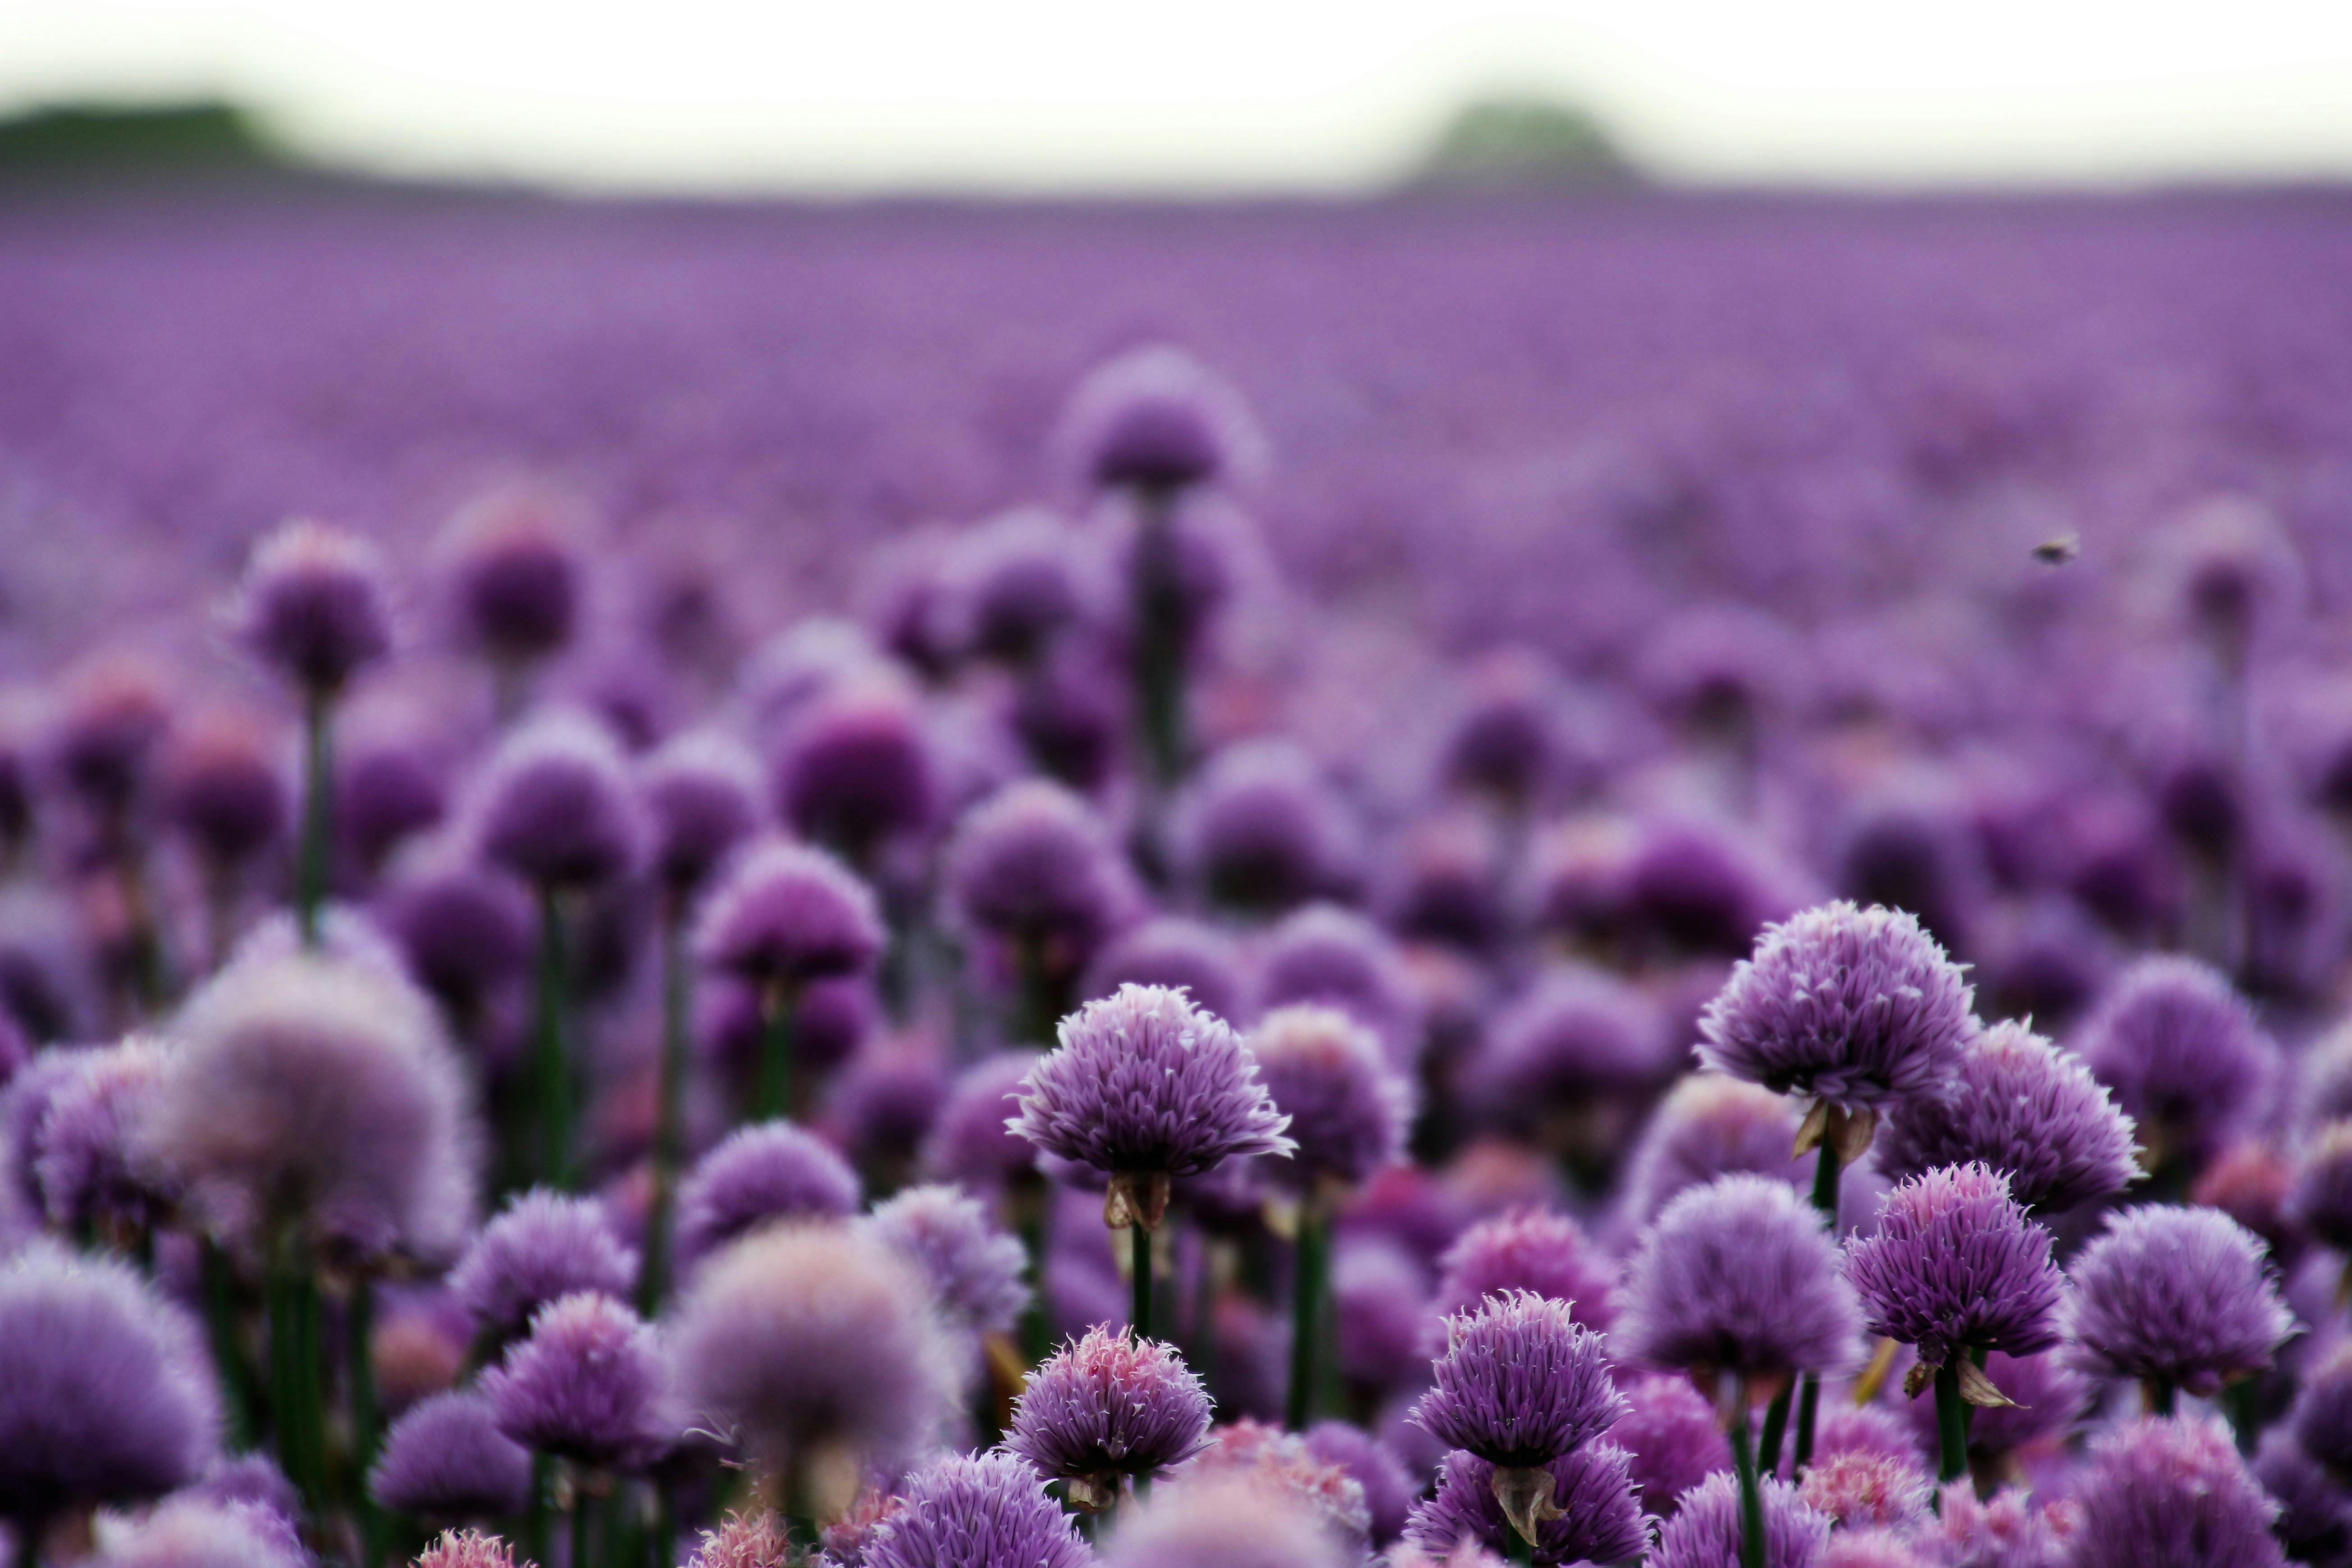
(2163, 1395)
(1517, 1547)
(583, 1516)
(551, 1065)
(294, 1380)
(228, 1355)
(362, 1374)
(1827, 1169)
(1028, 1200)
(772, 1095)
(1751, 1492)
(1776, 1429)
(1307, 1289)
(538, 1530)
(1951, 1422)
(665, 1532)
(1158, 653)
(1139, 1245)
(1808, 1408)
(653, 1276)
(318, 812)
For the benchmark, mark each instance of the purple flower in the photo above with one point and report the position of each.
(513, 563)
(1521, 1383)
(1348, 1110)
(2024, 1106)
(105, 1392)
(770, 1171)
(2183, 1055)
(554, 805)
(588, 1384)
(1858, 1489)
(445, 1458)
(1144, 1082)
(1874, 1548)
(1180, 953)
(2315, 1521)
(1105, 1406)
(201, 1532)
(1334, 956)
(1578, 1036)
(1874, 1429)
(810, 1338)
(854, 772)
(1705, 1531)
(787, 915)
(1014, 586)
(1389, 1487)
(2322, 1419)
(1600, 1518)
(1380, 1311)
(1737, 1275)
(1957, 1265)
(467, 1549)
(1281, 1460)
(1507, 741)
(968, 1141)
(542, 1247)
(322, 1090)
(882, 1109)
(252, 1478)
(1854, 1006)
(465, 931)
(2322, 1199)
(1230, 1521)
(1673, 1435)
(2172, 1494)
(751, 1540)
(224, 790)
(1155, 419)
(2009, 1531)
(1259, 830)
(2175, 1296)
(86, 1159)
(117, 710)
(978, 1274)
(24, 1106)
(387, 786)
(1710, 1126)
(1035, 867)
(701, 794)
(1533, 1249)
(988, 1511)
(313, 606)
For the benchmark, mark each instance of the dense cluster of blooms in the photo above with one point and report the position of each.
(1037, 1060)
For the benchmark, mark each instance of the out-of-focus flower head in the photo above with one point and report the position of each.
(2024, 1108)
(106, 1395)
(2322, 1419)
(319, 1091)
(882, 1108)
(1229, 1522)
(2172, 1493)
(2180, 1296)
(189, 1532)
(702, 797)
(1854, 1006)
(1269, 1456)
(513, 564)
(1035, 867)
(1705, 1531)
(445, 1458)
(1389, 1487)
(977, 1273)
(2046, 1396)
(87, 1158)
(313, 606)
(987, 1511)
(2322, 1198)
(588, 1384)
(1348, 1110)
(542, 1247)
(1600, 1518)
(787, 914)
(2315, 1521)
(1576, 1037)
(1694, 886)
(391, 782)
(1720, 669)
(1334, 955)
(555, 806)
(1380, 1306)
(468, 1549)
(1107, 1405)
(767, 1172)
(1012, 587)
(1155, 419)
(970, 1141)
(1443, 882)
(1709, 1126)
(854, 772)
(252, 1478)
(1529, 1248)
(1862, 1490)
(1674, 1436)
(1505, 741)
(1181, 953)
(752, 1541)
(1737, 1275)
(1957, 1265)
(2183, 1055)
(2253, 1184)
(2009, 1530)
(104, 735)
(223, 788)
(2231, 567)
(1259, 830)
(1521, 1383)
(465, 931)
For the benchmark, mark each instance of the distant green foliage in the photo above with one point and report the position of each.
(1524, 142)
(85, 136)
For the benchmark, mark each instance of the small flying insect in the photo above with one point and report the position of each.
(2057, 551)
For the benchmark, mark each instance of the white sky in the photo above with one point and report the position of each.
(1224, 95)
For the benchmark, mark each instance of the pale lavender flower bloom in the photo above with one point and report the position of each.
(467, 1549)
(2172, 1493)
(555, 805)
(1227, 1522)
(976, 1271)
(588, 1384)
(1673, 1433)
(1348, 1110)
(787, 914)
(2183, 1055)
(701, 792)
(769, 1171)
(543, 1246)
(200, 1532)
(1710, 1126)
(2171, 1295)
(1705, 1531)
(87, 1158)
(1533, 1249)
(445, 1458)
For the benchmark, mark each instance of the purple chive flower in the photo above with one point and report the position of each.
(1710, 1126)
(554, 807)
(2023, 1107)
(1389, 1487)
(1957, 1265)
(445, 1458)
(513, 565)
(117, 710)
(1107, 1405)
(200, 1532)
(1154, 419)
(588, 1384)
(388, 786)
(1673, 1435)
(2322, 1199)
(2183, 1055)
(2175, 1296)
(854, 772)
(787, 915)
(319, 1091)
(770, 1171)
(1705, 1531)
(467, 1549)
(1145, 1084)
(977, 1273)
(988, 1511)
(2322, 1418)
(1533, 1249)
(1035, 867)
(1014, 586)
(2315, 1521)
(701, 794)
(1226, 1520)
(1507, 741)
(2007, 1531)
(2172, 1493)
(1334, 956)
(1274, 1458)
(24, 1106)
(1694, 887)
(1872, 1548)
(1737, 1275)
(968, 1141)
(810, 1339)
(254, 1478)
(1856, 1007)
(88, 1162)
(757, 1541)
(1380, 1311)
(882, 1109)
(1180, 953)
(1576, 1039)
(2046, 1395)
(466, 932)
(1348, 1110)
(1601, 1517)
(312, 605)
(1260, 830)
(542, 1247)
(1862, 1490)
(105, 1392)
(1874, 1429)
(1521, 1383)
(223, 791)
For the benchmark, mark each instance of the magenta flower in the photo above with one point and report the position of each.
(467, 1549)
(1956, 1265)
(1033, 865)
(854, 772)
(1182, 955)
(968, 1141)
(1108, 1405)
(1388, 1486)
(990, 1511)
(1858, 1489)
(1521, 1385)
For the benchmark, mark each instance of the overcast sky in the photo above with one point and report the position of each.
(1222, 95)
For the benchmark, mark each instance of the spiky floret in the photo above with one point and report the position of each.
(1108, 1404)
(1521, 1383)
(987, 1511)
(1956, 1265)
(2172, 1493)
(2171, 1295)
(1600, 1516)
(2024, 1106)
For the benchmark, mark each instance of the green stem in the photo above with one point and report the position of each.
(361, 1372)
(318, 812)
(1827, 1169)
(2163, 1395)
(583, 1514)
(1028, 1200)
(773, 1096)
(665, 1540)
(1751, 1492)
(538, 1530)
(1951, 1422)
(1809, 1408)
(1139, 1253)
(1308, 1287)
(1776, 1429)
(228, 1355)
(1518, 1548)
(551, 1064)
(652, 1276)
(1158, 652)
(294, 1380)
